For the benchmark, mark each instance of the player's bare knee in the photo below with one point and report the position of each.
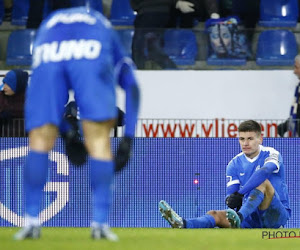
(43, 138)
(269, 189)
(218, 215)
(97, 138)
(266, 188)
(269, 192)
(99, 148)
(212, 212)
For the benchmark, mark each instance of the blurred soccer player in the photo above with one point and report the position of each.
(80, 51)
(292, 124)
(255, 188)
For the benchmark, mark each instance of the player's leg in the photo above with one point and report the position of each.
(276, 215)
(214, 218)
(97, 141)
(41, 141)
(45, 99)
(259, 198)
(94, 92)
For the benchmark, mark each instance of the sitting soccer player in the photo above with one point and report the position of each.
(77, 49)
(255, 188)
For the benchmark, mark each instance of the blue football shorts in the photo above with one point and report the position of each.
(91, 80)
(275, 216)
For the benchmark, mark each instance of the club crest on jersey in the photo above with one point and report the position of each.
(66, 50)
(257, 168)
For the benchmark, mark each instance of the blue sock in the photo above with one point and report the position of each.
(254, 199)
(206, 221)
(35, 177)
(101, 174)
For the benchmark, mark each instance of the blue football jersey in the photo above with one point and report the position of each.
(78, 50)
(240, 169)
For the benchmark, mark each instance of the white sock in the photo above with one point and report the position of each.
(31, 221)
(95, 224)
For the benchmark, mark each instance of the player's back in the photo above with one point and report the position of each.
(79, 50)
(73, 34)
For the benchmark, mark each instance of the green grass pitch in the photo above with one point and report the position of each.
(153, 239)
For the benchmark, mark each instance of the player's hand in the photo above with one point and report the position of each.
(75, 148)
(123, 153)
(234, 200)
(185, 6)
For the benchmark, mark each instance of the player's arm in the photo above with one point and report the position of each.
(232, 186)
(232, 179)
(271, 165)
(124, 70)
(128, 83)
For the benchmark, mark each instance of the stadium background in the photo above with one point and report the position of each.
(165, 168)
(187, 172)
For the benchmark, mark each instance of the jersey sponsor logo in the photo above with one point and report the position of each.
(242, 174)
(71, 18)
(66, 51)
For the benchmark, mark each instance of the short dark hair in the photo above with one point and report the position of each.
(250, 126)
